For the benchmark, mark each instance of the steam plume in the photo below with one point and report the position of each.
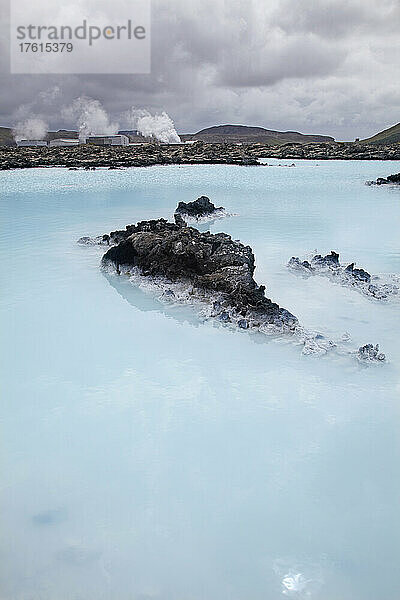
(158, 126)
(30, 129)
(91, 118)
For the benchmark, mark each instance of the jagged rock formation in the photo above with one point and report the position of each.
(391, 179)
(213, 263)
(199, 209)
(325, 151)
(182, 264)
(89, 156)
(349, 276)
(370, 353)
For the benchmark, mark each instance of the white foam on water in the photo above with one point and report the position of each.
(293, 583)
(216, 215)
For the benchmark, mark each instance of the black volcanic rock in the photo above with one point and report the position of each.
(330, 260)
(388, 180)
(209, 262)
(201, 153)
(202, 207)
(179, 220)
(185, 264)
(329, 266)
(359, 274)
(370, 353)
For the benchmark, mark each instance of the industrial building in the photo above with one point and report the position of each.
(64, 142)
(31, 143)
(108, 140)
(98, 140)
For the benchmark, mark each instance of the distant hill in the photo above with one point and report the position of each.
(6, 137)
(251, 135)
(387, 136)
(230, 133)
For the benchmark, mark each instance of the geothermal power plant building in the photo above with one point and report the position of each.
(108, 140)
(24, 143)
(63, 142)
(97, 140)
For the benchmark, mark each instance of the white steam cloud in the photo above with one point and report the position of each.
(90, 117)
(33, 128)
(159, 126)
(50, 95)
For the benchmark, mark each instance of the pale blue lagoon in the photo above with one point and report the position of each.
(148, 454)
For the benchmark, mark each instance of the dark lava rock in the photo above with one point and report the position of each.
(100, 240)
(87, 241)
(359, 279)
(303, 265)
(317, 262)
(210, 262)
(330, 260)
(179, 220)
(358, 274)
(369, 352)
(147, 154)
(202, 207)
(388, 180)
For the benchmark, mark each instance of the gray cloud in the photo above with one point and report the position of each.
(338, 18)
(290, 58)
(325, 67)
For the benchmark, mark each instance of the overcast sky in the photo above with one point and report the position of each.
(314, 66)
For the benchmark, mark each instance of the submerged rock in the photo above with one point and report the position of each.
(209, 262)
(348, 276)
(198, 209)
(300, 265)
(391, 179)
(369, 353)
(359, 274)
(182, 264)
(100, 240)
(330, 260)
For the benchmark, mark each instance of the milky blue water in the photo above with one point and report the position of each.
(149, 455)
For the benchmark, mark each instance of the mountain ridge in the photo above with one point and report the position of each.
(391, 135)
(230, 133)
(250, 135)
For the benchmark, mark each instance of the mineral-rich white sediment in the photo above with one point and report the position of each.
(378, 287)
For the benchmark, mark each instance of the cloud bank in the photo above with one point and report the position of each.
(327, 67)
